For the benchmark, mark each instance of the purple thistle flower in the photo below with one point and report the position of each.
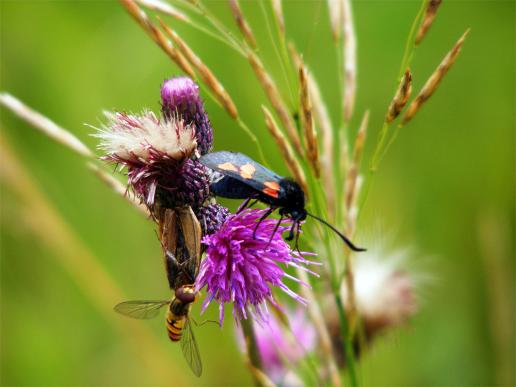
(211, 217)
(180, 97)
(278, 350)
(242, 268)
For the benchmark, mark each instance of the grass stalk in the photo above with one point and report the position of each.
(66, 138)
(280, 54)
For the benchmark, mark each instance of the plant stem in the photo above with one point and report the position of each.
(408, 54)
(281, 58)
(254, 139)
(347, 337)
(253, 352)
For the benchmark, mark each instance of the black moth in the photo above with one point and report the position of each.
(244, 178)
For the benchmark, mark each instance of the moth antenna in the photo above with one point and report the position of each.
(342, 236)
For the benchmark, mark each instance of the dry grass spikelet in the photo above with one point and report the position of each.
(433, 82)
(400, 99)
(335, 13)
(350, 60)
(278, 14)
(351, 188)
(48, 127)
(159, 38)
(275, 99)
(242, 23)
(204, 72)
(428, 19)
(312, 150)
(165, 8)
(285, 149)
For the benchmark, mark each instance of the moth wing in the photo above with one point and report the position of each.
(142, 310)
(241, 167)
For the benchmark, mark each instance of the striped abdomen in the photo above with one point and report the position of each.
(175, 326)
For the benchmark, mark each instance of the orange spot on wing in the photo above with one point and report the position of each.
(247, 171)
(228, 167)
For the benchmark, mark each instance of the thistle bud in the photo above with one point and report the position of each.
(180, 98)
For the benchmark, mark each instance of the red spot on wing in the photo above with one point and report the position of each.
(271, 188)
(270, 192)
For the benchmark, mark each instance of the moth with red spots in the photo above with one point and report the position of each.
(240, 177)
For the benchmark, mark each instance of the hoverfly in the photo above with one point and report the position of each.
(180, 234)
(244, 178)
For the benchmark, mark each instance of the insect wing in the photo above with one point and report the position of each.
(190, 349)
(244, 169)
(191, 229)
(142, 310)
(231, 188)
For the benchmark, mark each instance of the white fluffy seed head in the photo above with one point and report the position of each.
(384, 291)
(131, 137)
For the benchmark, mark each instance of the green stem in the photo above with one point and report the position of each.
(219, 26)
(253, 353)
(216, 36)
(348, 339)
(281, 58)
(408, 55)
(254, 139)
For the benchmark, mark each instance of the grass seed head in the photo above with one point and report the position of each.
(242, 23)
(433, 82)
(428, 19)
(400, 99)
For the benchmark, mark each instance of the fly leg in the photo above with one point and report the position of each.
(199, 324)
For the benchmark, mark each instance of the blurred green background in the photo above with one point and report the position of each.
(446, 188)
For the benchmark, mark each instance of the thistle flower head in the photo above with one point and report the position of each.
(156, 154)
(180, 98)
(242, 268)
(145, 138)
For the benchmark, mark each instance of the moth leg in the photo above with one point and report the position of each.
(291, 232)
(298, 228)
(263, 217)
(245, 204)
(275, 229)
